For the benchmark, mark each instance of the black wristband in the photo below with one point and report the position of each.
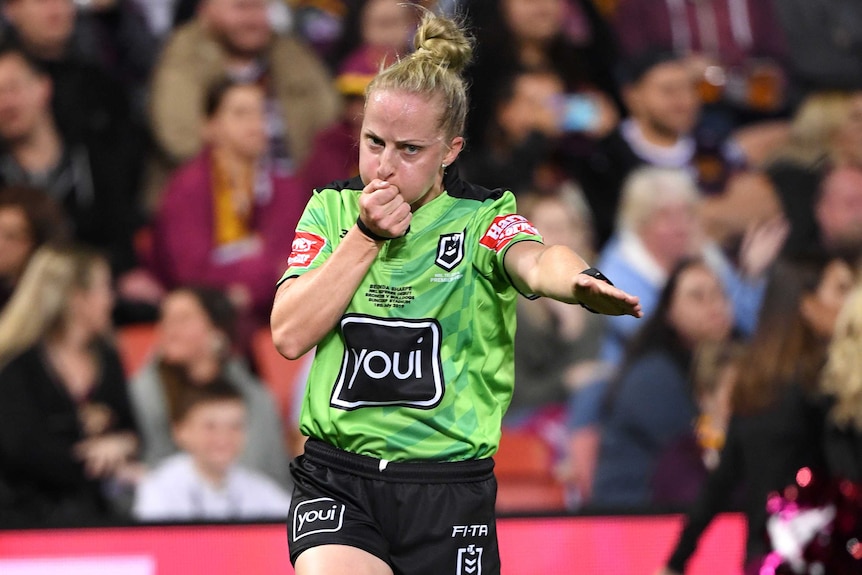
(594, 272)
(367, 231)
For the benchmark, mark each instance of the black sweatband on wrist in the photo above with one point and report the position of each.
(367, 231)
(594, 272)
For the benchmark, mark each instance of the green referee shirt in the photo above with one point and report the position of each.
(421, 365)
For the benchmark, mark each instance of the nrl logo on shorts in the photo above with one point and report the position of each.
(450, 250)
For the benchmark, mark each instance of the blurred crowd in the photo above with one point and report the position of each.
(155, 156)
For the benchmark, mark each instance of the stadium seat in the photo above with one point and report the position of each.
(525, 480)
(136, 344)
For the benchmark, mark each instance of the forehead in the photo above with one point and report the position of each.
(222, 407)
(695, 277)
(666, 72)
(402, 116)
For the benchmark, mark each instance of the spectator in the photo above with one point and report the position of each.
(525, 135)
(825, 133)
(657, 228)
(91, 184)
(225, 220)
(66, 425)
(664, 110)
(838, 211)
(28, 219)
(194, 349)
(566, 36)
(91, 107)
(734, 49)
(384, 26)
(234, 37)
(652, 403)
(777, 422)
(204, 481)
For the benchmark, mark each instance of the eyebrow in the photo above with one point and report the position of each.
(419, 143)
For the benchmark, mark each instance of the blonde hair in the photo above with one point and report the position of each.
(813, 128)
(648, 188)
(442, 51)
(842, 375)
(41, 298)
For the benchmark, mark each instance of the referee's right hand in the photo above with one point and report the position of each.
(383, 210)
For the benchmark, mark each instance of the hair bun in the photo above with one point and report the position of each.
(443, 42)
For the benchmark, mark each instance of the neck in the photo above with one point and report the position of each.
(51, 53)
(214, 476)
(204, 370)
(532, 53)
(40, 150)
(233, 164)
(655, 135)
(72, 340)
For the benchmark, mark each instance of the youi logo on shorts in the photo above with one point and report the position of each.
(323, 515)
(389, 362)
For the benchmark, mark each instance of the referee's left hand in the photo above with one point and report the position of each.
(604, 298)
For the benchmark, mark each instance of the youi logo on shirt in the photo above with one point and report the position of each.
(389, 362)
(322, 515)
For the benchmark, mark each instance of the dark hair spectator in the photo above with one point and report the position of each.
(225, 220)
(652, 402)
(778, 419)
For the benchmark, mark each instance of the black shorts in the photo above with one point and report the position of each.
(420, 518)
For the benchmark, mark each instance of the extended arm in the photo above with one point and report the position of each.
(555, 272)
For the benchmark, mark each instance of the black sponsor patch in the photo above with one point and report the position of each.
(389, 362)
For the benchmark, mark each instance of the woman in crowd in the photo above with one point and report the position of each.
(652, 403)
(196, 347)
(66, 424)
(225, 221)
(777, 422)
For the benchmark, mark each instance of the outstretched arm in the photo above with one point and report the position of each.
(555, 272)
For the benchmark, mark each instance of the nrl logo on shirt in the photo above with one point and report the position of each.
(450, 250)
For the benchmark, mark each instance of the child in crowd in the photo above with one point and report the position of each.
(203, 481)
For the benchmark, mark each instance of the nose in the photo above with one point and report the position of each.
(386, 165)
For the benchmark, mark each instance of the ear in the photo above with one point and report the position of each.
(455, 147)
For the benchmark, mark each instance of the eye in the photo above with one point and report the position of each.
(411, 149)
(374, 142)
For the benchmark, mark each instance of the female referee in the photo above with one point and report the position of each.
(405, 279)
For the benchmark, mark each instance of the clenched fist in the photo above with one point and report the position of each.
(383, 210)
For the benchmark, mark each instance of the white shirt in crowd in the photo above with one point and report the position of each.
(175, 491)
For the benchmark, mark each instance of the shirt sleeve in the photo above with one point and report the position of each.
(497, 228)
(312, 244)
